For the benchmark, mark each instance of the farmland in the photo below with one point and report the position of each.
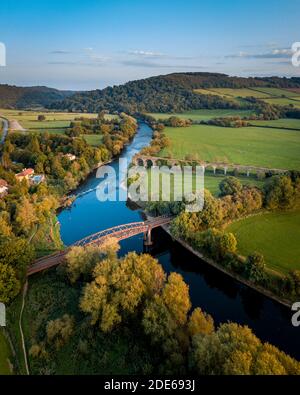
(276, 235)
(244, 92)
(93, 139)
(55, 122)
(282, 101)
(211, 182)
(202, 115)
(285, 123)
(272, 148)
(276, 96)
(276, 92)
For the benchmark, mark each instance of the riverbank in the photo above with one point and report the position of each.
(235, 276)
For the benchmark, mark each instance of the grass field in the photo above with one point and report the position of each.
(282, 101)
(244, 92)
(54, 120)
(286, 123)
(55, 123)
(275, 235)
(93, 139)
(275, 92)
(202, 115)
(211, 182)
(281, 97)
(4, 355)
(272, 148)
(48, 124)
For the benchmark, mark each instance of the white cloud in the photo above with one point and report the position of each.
(150, 54)
(278, 53)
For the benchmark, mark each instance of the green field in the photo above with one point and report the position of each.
(275, 235)
(285, 123)
(47, 124)
(93, 139)
(54, 120)
(282, 101)
(50, 131)
(4, 355)
(55, 123)
(244, 92)
(277, 96)
(272, 148)
(276, 92)
(211, 182)
(202, 115)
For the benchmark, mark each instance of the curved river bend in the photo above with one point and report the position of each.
(221, 296)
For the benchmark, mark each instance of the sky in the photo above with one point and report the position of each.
(90, 44)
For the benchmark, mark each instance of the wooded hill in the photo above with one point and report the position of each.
(165, 93)
(29, 97)
(168, 93)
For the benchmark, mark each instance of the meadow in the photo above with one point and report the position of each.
(271, 148)
(93, 139)
(276, 235)
(203, 115)
(277, 96)
(5, 355)
(211, 183)
(55, 122)
(283, 101)
(285, 123)
(29, 119)
(243, 92)
(276, 92)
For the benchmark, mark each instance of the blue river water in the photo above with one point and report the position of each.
(216, 293)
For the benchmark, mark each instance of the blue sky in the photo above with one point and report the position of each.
(75, 44)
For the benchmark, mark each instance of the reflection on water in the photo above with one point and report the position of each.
(226, 299)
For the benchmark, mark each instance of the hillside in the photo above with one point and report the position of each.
(168, 93)
(29, 97)
(163, 94)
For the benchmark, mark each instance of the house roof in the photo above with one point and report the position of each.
(3, 183)
(25, 172)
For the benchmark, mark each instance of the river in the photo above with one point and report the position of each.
(216, 293)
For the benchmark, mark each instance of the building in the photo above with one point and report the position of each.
(25, 174)
(71, 157)
(3, 188)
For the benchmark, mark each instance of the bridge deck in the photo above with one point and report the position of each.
(120, 232)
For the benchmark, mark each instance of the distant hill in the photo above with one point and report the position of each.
(29, 97)
(167, 93)
(164, 93)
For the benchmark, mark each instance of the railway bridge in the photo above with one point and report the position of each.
(147, 160)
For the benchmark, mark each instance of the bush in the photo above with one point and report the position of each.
(255, 268)
(230, 186)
